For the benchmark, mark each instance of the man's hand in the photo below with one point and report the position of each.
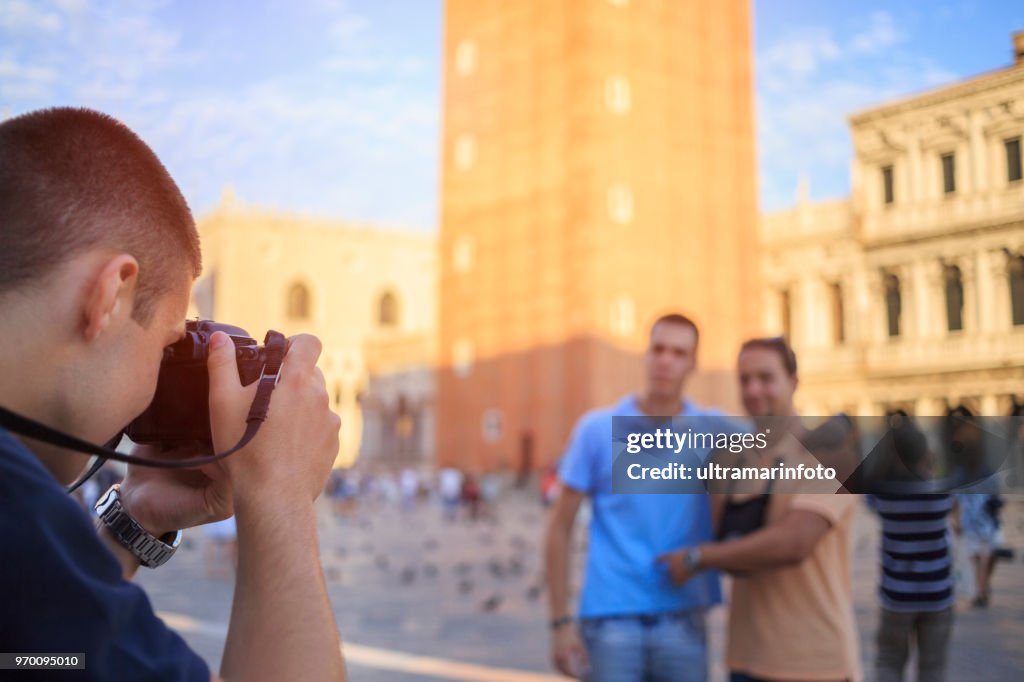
(282, 625)
(568, 653)
(677, 567)
(166, 500)
(293, 452)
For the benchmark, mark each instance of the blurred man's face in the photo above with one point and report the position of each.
(670, 358)
(765, 385)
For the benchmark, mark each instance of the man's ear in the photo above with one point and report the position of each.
(110, 295)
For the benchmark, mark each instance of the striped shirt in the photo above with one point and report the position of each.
(917, 570)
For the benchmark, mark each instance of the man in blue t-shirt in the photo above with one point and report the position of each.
(634, 624)
(98, 251)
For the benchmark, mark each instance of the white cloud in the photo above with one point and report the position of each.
(809, 81)
(353, 64)
(22, 16)
(332, 134)
(880, 34)
(34, 74)
(800, 54)
(20, 81)
(348, 27)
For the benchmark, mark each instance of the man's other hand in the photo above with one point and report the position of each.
(165, 500)
(568, 654)
(293, 452)
(676, 563)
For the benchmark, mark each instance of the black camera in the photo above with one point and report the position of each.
(180, 411)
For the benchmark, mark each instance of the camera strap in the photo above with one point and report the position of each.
(275, 347)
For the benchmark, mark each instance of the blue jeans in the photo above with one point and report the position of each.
(666, 647)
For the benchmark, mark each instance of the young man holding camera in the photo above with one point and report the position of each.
(98, 251)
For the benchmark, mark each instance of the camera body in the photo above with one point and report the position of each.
(180, 411)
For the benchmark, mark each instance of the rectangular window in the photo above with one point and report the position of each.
(1013, 161)
(948, 173)
(887, 184)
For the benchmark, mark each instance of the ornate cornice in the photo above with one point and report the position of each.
(989, 81)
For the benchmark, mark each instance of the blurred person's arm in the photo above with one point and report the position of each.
(556, 549)
(282, 626)
(786, 542)
(567, 651)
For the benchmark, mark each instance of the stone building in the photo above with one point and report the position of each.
(368, 293)
(910, 294)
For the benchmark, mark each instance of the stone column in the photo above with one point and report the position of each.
(926, 282)
(977, 157)
(929, 407)
(771, 304)
(819, 307)
(984, 298)
(913, 194)
(999, 304)
(968, 277)
(876, 333)
(868, 408)
(989, 405)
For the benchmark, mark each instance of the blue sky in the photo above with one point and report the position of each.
(332, 107)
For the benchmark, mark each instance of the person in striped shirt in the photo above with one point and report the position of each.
(916, 578)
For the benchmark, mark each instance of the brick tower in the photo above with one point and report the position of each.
(598, 170)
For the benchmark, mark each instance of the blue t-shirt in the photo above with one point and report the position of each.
(61, 588)
(628, 531)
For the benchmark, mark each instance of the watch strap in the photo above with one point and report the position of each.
(149, 550)
(692, 559)
(557, 623)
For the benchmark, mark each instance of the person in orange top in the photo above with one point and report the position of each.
(791, 614)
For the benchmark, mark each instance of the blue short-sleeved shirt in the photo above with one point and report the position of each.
(61, 588)
(628, 531)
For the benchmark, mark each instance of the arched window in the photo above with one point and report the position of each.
(387, 310)
(954, 298)
(1016, 272)
(893, 304)
(298, 304)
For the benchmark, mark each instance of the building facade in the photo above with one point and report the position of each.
(597, 171)
(910, 294)
(369, 294)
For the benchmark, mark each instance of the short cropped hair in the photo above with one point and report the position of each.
(777, 344)
(678, 318)
(72, 180)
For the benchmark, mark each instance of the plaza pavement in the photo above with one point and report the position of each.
(418, 599)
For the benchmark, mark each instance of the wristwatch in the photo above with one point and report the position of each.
(556, 623)
(691, 559)
(150, 551)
